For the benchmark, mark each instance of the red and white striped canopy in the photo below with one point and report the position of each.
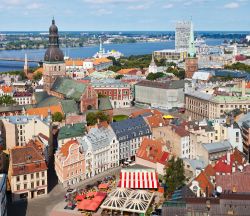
(131, 178)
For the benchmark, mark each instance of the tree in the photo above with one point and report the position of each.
(37, 76)
(91, 118)
(154, 76)
(102, 116)
(119, 76)
(174, 175)
(7, 100)
(57, 117)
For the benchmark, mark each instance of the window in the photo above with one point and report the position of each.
(32, 185)
(42, 174)
(37, 183)
(25, 186)
(32, 176)
(18, 178)
(25, 177)
(18, 187)
(37, 175)
(43, 182)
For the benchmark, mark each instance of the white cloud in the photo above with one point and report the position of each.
(167, 6)
(34, 6)
(101, 12)
(138, 7)
(232, 5)
(110, 1)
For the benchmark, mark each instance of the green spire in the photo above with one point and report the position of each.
(191, 49)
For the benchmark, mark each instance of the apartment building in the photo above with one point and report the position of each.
(70, 163)
(27, 173)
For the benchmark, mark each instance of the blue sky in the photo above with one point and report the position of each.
(102, 15)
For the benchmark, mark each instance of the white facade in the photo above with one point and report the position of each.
(182, 35)
(185, 147)
(101, 149)
(23, 100)
(88, 64)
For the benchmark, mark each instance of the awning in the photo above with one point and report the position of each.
(147, 179)
(103, 186)
(168, 117)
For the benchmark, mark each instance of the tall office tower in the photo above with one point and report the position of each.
(182, 35)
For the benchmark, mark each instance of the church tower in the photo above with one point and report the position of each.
(54, 65)
(26, 66)
(191, 62)
(152, 67)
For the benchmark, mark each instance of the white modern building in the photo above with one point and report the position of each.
(182, 35)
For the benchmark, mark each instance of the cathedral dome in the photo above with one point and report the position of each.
(53, 28)
(53, 54)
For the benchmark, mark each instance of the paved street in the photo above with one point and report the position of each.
(43, 206)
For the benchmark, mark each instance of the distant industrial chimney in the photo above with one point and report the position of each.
(26, 66)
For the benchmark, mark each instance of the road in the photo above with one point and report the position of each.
(42, 206)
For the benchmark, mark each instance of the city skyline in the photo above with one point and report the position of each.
(117, 15)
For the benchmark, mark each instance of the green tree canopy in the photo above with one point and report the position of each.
(37, 76)
(119, 76)
(154, 76)
(57, 117)
(92, 117)
(174, 175)
(7, 100)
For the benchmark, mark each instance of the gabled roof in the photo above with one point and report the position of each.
(69, 107)
(26, 160)
(217, 146)
(70, 88)
(71, 131)
(64, 150)
(151, 150)
(131, 128)
(104, 104)
(204, 182)
(156, 121)
(146, 112)
(43, 111)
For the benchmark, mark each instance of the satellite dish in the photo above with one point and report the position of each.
(219, 189)
(240, 167)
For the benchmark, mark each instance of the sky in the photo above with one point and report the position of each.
(122, 15)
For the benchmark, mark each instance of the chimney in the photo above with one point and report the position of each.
(233, 168)
(234, 189)
(228, 158)
(243, 88)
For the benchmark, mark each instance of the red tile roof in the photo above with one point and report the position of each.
(223, 166)
(180, 130)
(26, 160)
(151, 150)
(237, 182)
(65, 148)
(7, 89)
(204, 182)
(144, 111)
(156, 121)
(209, 170)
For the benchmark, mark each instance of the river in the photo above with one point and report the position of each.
(88, 51)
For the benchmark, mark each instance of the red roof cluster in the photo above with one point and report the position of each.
(151, 150)
(26, 160)
(224, 166)
(156, 120)
(22, 94)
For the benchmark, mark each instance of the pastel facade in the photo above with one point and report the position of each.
(70, 163)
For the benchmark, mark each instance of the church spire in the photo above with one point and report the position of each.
(191, 49)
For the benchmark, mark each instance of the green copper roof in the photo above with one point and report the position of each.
(69, 107)
(104, 104)
(70, 88)
(71, 131)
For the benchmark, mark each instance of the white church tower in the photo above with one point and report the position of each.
(152, 67)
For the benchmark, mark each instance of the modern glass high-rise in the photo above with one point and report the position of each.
(182, 35)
